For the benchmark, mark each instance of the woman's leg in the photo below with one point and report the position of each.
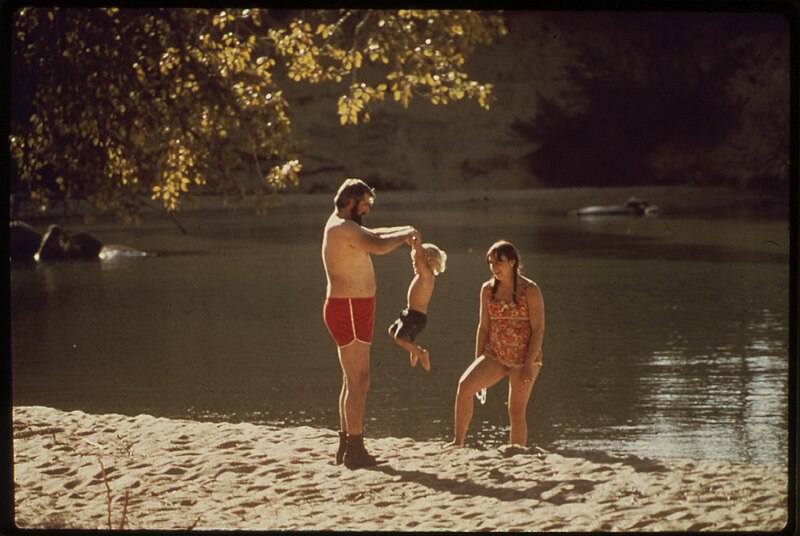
(519, 393)
(483, 372)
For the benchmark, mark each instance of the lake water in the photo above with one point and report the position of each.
(666, 336)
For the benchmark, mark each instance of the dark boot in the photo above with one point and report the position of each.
(356, 455)
(342, 448)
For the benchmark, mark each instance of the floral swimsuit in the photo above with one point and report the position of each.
(509, 331)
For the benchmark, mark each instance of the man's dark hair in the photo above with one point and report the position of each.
(352, 189)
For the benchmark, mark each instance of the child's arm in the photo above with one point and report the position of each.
(419, 257)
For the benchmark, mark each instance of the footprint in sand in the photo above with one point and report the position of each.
(699, 526)
(602, 469)
(174, 471)
(470, 515)
(282, 474)
(229, 445)
(108, 471)
(641, 524)
(237, 469)
(57, 471)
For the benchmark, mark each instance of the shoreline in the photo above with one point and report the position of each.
(673, 200)
(84, 471)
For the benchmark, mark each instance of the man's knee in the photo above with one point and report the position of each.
(358, 382)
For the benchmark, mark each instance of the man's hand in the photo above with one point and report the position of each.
(415, 238)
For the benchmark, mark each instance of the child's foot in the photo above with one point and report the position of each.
(413, 358)
(426, 360)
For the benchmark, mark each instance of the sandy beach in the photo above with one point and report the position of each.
(84, 471)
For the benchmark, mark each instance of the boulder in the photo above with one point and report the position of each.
(23, 241)
(54, 245)
(85, 246)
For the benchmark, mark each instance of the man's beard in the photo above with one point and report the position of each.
(355, 216)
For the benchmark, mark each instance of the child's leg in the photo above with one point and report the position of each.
(417, 353)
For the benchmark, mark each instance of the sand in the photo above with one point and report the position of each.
(84, 471)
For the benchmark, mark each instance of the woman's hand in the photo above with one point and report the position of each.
(526, 374)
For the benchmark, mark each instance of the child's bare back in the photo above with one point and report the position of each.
(428, 261)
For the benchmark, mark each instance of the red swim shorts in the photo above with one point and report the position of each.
(349, 319)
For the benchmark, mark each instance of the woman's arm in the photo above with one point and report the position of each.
(482, 337)
(536, 317)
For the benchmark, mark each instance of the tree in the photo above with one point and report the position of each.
(121, 106)
(660, 98)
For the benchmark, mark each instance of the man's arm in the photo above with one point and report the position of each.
(375, 243)
(380, 231)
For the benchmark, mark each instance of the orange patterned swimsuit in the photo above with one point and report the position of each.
(509, 331)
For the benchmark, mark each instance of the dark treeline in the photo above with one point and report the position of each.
(665, 98)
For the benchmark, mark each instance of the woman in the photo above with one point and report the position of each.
(509, 342)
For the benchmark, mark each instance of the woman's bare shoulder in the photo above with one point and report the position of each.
(487, 287)
(530, 288)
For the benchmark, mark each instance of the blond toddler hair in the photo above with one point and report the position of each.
(436, 258)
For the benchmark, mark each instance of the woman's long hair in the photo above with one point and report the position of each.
(504, 248)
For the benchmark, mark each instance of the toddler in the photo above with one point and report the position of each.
(428, 261)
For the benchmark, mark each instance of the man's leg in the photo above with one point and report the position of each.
(355, 365)
(342, 423)
(354, 360)
(342, 396)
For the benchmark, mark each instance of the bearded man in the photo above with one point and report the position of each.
(349, 310)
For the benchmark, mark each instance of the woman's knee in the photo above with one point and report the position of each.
(466, 388)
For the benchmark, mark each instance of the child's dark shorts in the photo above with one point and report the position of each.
(409, 325)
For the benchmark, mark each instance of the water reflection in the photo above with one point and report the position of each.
(734, 395)
(657, 343)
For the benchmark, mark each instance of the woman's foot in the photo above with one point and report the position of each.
(413, 358)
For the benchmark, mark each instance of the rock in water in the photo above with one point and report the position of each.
(86, 246)
(53, 245)
(23, 241)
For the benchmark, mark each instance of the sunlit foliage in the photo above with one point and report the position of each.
(124, 107)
